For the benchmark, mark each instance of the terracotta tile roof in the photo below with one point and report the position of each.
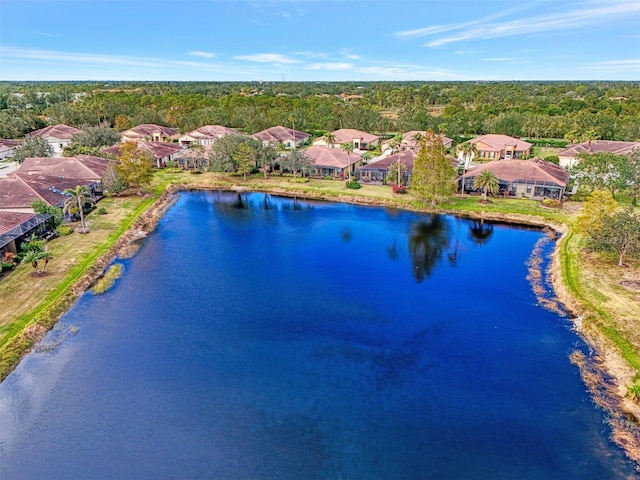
(331, 157)
(80, 167)
(600, 146)
(61, 131)
(345, 135)
(148, 130)
(533, 170)
(497, 142)
(211, 132)
(10, 220)
(280, 134)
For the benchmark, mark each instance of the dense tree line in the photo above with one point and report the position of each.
(523, 109)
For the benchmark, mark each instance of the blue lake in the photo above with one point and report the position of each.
(257, 337)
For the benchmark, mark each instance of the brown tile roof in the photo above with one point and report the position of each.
(212, 131)
(148, 129)
(158, 149)
(10, 220)
(534, 169)
(280, 134)
(61, 131)
(345, 135)
(20, 191)
(80, 167)
(10, 143)
(331, 157)
(498, 142)
(407, 158)
(600, 146)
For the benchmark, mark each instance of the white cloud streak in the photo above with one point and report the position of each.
(198, 53)
(330, 66)
(267, 58)
(588, 15)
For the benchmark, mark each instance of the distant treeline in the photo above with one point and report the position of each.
(523, 109)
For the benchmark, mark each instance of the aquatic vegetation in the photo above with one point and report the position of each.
(108, 279)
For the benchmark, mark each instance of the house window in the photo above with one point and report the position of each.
(491, 155)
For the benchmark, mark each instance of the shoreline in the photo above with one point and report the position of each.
(605, 373)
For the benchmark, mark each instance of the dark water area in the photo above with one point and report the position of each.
(256, 337)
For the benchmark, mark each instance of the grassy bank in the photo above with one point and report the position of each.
(37, 302)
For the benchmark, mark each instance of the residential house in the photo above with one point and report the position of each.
(151, 132)
(499, 147)
(359, 140)
(332, 162)
(534, 178)
(206, 135)
(410, 141)
(569, 156)
(16, 228)
(161, 152)
(46, 179)
(58, 136)
(282, 136)
(376, 172)
(7, 147)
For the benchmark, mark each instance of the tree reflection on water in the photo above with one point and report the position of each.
(428, 241)
(479, 232)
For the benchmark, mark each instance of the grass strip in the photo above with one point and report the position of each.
(13, 344)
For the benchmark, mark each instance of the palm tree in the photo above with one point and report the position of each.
(468, 150)
(347, 147)
(32, 257)
(417, 137)
(395, 143)
(77, 198)
(45, 255)
(488, 182)
(329, 138)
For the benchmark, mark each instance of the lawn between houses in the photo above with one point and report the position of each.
(595, 287)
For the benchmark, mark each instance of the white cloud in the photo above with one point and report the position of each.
(499, 59)
(96, 60)
(330, 66)
(310, 54)
(614, 66)
(586, 15)
(198, 53)
(267, 58)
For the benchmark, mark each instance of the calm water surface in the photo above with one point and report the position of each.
(256, 337)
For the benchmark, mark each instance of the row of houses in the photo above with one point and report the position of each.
(43, 179)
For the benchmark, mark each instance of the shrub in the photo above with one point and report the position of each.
(551, 202)
(547, 142)
(299, 180)
(353, 184)
(633, 391)
(6, 266)
(171, 164)
(196, 172)
(62, 230)
(399, 189)
(553, 159)
(101, 211)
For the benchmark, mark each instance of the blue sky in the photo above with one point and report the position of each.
(301, 40)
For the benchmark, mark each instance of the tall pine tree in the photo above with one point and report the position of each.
(433, 178)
